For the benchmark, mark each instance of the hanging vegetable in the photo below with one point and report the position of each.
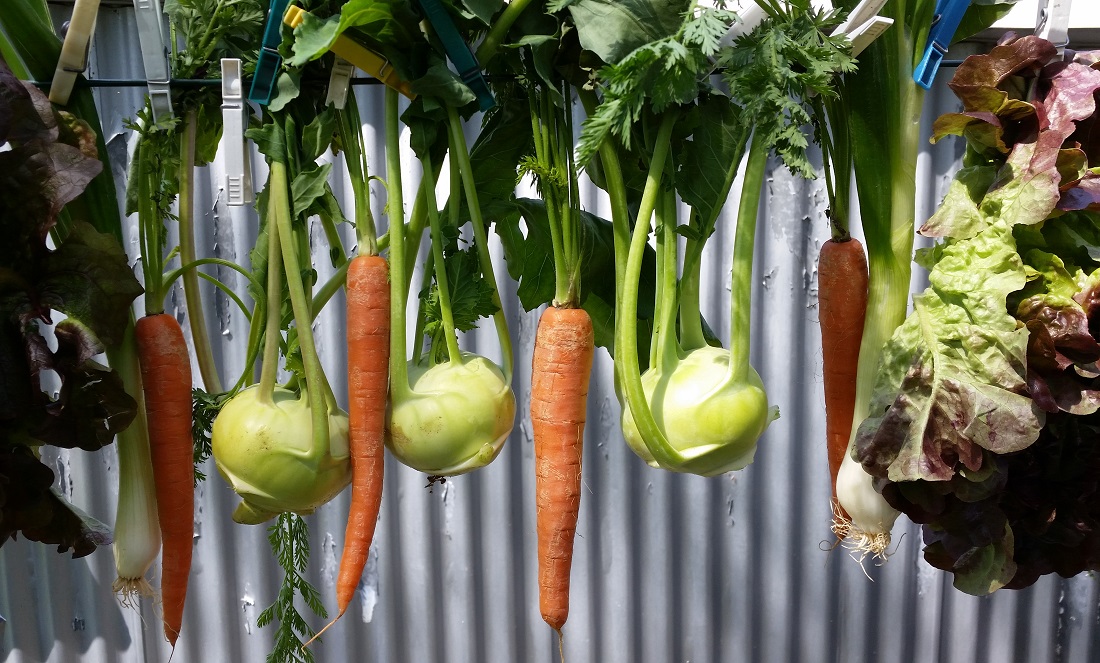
(881, 105)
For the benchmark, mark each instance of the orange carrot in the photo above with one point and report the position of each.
(562, 363)
(842, 306)
(368, 294)
(166, 381)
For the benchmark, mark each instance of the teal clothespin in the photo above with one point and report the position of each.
(458, 52)
(269, 61)
(945, 21)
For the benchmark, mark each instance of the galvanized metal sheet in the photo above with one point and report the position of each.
(667, 567)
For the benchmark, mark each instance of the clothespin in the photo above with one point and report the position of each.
(154, 53)
(338, 83)
(945, 21)
(238, 165)
(864, 25)
(356, 55)
(269, 61)
(74, 51)
(458, 52)
(1052, 22)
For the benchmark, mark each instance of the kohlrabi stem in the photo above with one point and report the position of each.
(399, 286)
(418, 219)
(337, 255)
(499, 30)
(204, 354)
(743, 244)
(421, 309)
(667, 349)
(454, 354)
(459, 151)
(616, 191)
(329, 288)
(226, 290)
(626, 333)
(269, 366)
(691, 324)
(320, 400)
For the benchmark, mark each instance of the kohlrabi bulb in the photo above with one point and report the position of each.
(265, 451)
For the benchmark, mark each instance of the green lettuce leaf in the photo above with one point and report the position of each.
(952, 379)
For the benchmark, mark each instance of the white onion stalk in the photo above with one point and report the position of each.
(137, 530)
(866, 530)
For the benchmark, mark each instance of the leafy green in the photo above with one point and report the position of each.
(952, 378)
(471, 294)
(984, 418)
(666, 71)
(289, 538)
(614, 28)
(47, 162)
(775, 71)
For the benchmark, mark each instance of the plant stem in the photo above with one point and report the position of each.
(149, 233)
(489, 47)
(399, 289)
(626, 333)
(743, 244)
(549, 190)
(665, 353)
(204, 353)
(459, 151)
(316, 384)
(616, 191)
(440, 267)
(351, 135)
(269, 367)
(691, 323)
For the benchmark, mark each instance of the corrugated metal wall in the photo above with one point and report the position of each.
(668, 568)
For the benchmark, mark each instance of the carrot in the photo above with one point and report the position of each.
(368, 332)
(562, 362)
(842, 302)
(166, 381)
(368, 292)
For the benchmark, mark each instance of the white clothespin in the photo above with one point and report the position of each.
(74, 52)
(154, 53)
(1052, 22)
(338, 83)
(864, 25)
(238, 165)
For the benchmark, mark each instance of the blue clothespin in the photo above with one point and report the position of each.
(269, 61)
(458, 52)
(945, 21)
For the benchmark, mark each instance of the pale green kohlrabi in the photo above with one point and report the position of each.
(453, 415)
(279, 449)
(697, 409)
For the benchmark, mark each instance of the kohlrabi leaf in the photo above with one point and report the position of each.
(708, 163)
(613, 28)
(308, 186)
(952, 378)
(483, 9)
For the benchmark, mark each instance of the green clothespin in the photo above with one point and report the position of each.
(458, 52)
(269, 61)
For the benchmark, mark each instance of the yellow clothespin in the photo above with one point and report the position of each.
(74, 51)
(357, 54)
